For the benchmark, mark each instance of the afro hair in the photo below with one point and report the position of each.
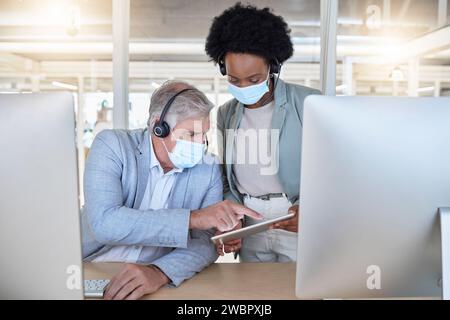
(247, 29)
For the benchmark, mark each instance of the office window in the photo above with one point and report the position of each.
(168, 40)
(48, 46)
(397, 48)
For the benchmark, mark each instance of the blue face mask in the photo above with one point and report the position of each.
(186, 154)
(251, 94)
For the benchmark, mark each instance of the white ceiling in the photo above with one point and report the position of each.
(45, 21)
(35, 39)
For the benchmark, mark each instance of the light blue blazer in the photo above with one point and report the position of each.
(115, 178)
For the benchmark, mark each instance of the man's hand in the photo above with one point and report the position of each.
(135, 281)
(223, 216)
(290, 224)
(230, 246)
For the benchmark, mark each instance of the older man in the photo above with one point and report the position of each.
(153, 197)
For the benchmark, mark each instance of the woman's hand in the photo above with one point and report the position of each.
(290, 224)
(230, 246)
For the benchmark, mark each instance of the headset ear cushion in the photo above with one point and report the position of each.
(166, 129)
(157, 131)
(161, 130)
(274, 67)
(222, 68)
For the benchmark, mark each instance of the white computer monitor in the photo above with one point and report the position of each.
(39, 211)
(374, 173)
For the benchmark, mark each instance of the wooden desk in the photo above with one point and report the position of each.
(236, 281)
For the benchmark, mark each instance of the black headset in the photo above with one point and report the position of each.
(275, 66)
(161, 129)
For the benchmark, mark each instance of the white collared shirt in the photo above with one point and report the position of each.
(156, 196)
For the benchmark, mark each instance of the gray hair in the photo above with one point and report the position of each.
(189, 104)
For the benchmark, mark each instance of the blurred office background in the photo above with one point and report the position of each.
(384, 47)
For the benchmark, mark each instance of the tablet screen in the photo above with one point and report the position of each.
(247, 231)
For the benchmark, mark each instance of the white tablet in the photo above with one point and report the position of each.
(247, 231)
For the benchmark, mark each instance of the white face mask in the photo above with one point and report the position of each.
(186, 154)
(251, 94)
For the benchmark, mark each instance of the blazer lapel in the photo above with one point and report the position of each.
(178, 194)
(230, 137)
(142, 153)
(279, 115)
(279, 112)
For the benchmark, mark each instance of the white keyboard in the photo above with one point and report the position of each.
(94, 288)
